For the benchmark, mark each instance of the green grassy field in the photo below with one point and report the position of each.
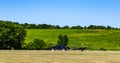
(40, 56)
(92, 39)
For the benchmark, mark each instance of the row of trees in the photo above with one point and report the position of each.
(47, 26)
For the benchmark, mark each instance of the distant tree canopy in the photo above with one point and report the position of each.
(48, 26)
(11, 35)
(77, 27)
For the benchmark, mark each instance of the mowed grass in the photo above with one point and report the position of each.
(40, 56)
(92, 39)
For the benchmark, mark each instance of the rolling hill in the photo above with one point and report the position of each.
(92, 39)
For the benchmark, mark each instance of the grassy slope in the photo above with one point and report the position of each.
(93, 39)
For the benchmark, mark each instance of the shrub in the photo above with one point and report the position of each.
(102, 49)
(63, 40)
(36, 44)
(48, 46)
(11, 37)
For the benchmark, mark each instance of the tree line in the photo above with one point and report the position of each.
(48, 26)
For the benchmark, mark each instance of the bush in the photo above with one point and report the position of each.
(102, 49)
(11, 37)
(63, 40)
(36, 44)
(48, 46)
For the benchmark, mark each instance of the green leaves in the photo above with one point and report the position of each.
(36, 44)
(63, 40)
(11, 35)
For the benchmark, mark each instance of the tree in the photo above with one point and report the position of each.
(77, 27)
(11, 35)
(65, 27)
(109, 27)
(92, 27)
(63, 40)
(12, 38)
(100, 27)
(57, 27)
(25, 25)
(60, 39)
(38, 43)
(44, 26)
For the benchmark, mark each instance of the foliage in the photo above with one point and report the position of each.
(63, 40)
(60, 39)
(102, 49)
(48, 46)
(11, 35)
(66, 27)
(36, 44)
(97, 27)
(77, 27)
(47, 26)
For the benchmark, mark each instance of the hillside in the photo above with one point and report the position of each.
(92, 39)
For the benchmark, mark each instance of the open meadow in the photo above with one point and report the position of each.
(40, 56)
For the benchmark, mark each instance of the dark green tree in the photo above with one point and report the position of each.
(65, 27)
(108, 27)
(57, 27)
(60, 39)
(77, 27)
(12, 38)
(92, 27)
(11, 35)
(26, 25)
(63, 40)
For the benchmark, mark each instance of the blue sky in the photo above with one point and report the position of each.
(62, 12)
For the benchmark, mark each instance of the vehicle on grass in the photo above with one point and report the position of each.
(60, 47)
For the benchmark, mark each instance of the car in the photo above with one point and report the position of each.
(60, 47)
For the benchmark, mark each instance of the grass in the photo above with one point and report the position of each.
(40, 56)
(93, 39)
